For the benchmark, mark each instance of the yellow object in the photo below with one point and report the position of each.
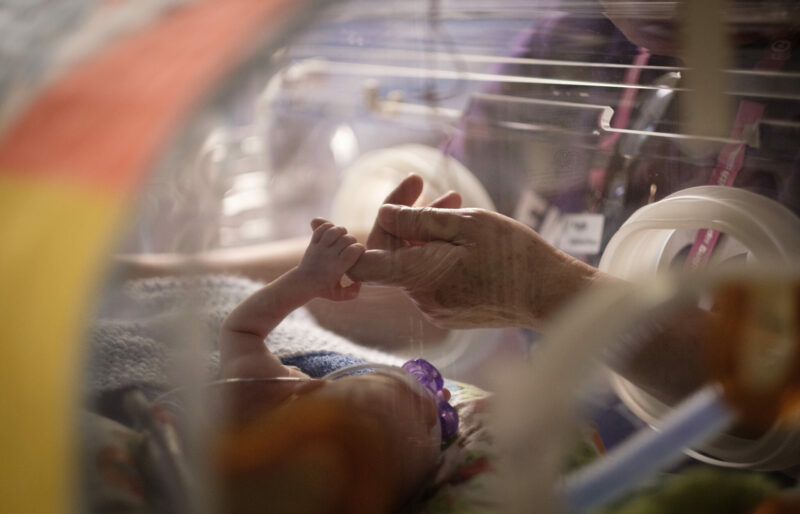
(69, 166)
(54, 241)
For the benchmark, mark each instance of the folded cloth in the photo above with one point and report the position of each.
(157, 333)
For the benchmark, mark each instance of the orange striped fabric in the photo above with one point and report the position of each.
(69, 166)
(106, 120)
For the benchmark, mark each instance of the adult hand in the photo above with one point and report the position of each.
(467, 268)
(406, 193)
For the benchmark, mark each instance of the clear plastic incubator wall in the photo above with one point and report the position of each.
(583, 294)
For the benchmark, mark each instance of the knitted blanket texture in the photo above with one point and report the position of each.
(156, 333)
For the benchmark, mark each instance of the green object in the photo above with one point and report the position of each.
(699, 490)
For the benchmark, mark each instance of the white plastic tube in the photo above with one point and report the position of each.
(768, 231)
(699, 417)
(765, 230)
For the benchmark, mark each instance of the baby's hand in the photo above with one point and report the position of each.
(331, 252)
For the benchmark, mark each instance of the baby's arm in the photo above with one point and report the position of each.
(329, 255)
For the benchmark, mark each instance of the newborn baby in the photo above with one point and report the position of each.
(288, 443)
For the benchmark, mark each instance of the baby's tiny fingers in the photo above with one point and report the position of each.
(350, 255)
(332, 235)
(316, 222)
(321, 230)
(345, 241)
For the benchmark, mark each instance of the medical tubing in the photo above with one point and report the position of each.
(365, 367)
(702, 415)
(763, 226)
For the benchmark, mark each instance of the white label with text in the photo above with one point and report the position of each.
(581, 233)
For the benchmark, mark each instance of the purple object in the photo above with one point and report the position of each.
(427, 375)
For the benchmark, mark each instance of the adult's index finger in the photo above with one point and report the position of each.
(420, 224)
(376, 267)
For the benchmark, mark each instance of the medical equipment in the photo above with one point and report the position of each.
(174, 129)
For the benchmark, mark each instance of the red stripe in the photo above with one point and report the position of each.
(626, 103)
(731, 158)
(105, 121)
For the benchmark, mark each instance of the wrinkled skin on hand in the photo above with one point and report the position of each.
(467, 268)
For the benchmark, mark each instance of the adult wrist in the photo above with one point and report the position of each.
(555, 283)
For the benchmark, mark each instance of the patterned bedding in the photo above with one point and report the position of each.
(120, 461)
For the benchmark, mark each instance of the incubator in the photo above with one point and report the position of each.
(162, 161)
